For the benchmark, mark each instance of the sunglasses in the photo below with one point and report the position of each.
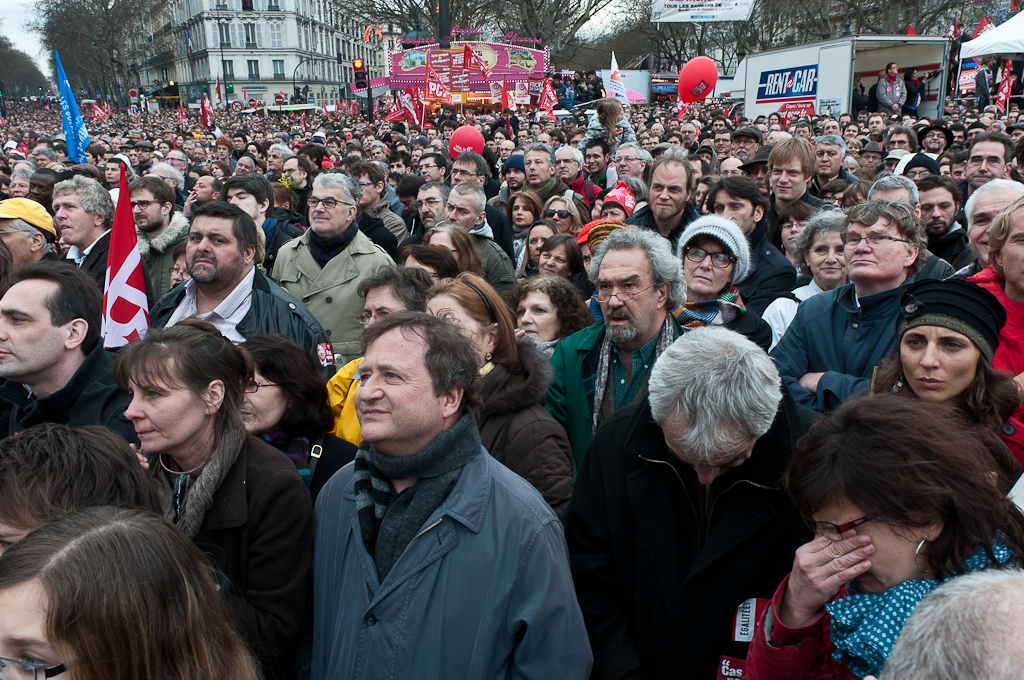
(562, 214)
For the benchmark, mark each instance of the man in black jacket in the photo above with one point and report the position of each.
(738, 199)
(52, 356)
(228, 291)
(677, 521)
(668, 211)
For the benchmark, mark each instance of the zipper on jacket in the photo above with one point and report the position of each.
(730, 488)
(678, 476)
(423, 532)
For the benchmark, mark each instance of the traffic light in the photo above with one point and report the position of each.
(359, 66)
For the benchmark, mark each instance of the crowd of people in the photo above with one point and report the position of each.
(620, 396)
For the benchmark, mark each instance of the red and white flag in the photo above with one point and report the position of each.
(352, 108)
(125, 308)
(983, 27)
(98, 112)
(472, 61)
(206, 114)
(182, 117)
(395, 112)
(219, 100)
(682, 110)
(2, 121)
(108, 108)
(325, 107)
(303, 120)
(435, 88)
(508, 98)
(548, 99)
(1003, 95)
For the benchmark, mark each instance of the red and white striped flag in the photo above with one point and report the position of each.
(125, 309)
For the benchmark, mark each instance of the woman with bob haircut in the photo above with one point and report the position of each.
(788, 226)
(286, 405)
(234, 495)
(561, 256)
(50, 471)
(538, 233)
(548, 309)
(901, 497)
(515, 428)
(948, 333)
(461, 245)
(436, 260)
(523, 209)
(115, 593)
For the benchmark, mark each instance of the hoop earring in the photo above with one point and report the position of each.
(919, 569)
(899, 385)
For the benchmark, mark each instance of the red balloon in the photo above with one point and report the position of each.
(466, 138)
(697, 79)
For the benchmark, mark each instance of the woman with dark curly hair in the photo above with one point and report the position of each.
(286, 405)
(548, 309)
(901, 497)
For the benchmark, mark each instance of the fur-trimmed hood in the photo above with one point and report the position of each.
(177, 228)
(505, 393)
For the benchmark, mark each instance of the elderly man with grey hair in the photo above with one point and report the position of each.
(607, 366)
(84, 213)
(678, 525)
(277, 154)
(632, 161)
(466, 208)
(985, 203)
(892, 188)
(325, 265)
(829, 152)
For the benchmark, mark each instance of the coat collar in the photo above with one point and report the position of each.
(176, 229)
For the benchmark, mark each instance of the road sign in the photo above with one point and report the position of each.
(280, 98)
(133, 93)
(252, 103)
(133, 110)
(236, 106)
(311, 100)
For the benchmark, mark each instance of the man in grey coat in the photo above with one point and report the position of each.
(432, 559)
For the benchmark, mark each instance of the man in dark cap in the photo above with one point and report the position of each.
(745, 143)
(920, 166)
(145, 149)
(935, 139)
(757, 168)
(871, 156)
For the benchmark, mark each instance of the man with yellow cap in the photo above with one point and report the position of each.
(27, 230)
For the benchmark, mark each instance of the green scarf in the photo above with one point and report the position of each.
(544, 190)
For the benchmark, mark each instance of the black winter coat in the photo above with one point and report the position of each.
(773, 274)
(659, 587)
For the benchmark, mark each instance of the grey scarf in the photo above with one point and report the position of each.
(390, 522)
(200, 494)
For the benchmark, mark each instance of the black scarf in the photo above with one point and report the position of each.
(323, 249)
(390, 522)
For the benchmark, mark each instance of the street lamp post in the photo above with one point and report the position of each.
(301, 62)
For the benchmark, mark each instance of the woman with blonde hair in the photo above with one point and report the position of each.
(564, 213)
(115, 593)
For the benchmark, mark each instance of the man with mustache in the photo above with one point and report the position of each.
(606, 366)
(988, 159)
(227, 290)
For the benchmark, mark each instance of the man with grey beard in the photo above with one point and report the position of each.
(606, 367)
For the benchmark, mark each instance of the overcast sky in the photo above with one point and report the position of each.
(13, 15)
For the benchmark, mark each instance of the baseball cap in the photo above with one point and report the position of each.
(28, 210)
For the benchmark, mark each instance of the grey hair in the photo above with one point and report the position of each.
(23, 173)
(46, 151)
(902, 130)
(723, 387)
(819, 224)
(440, 186)
(95, 199)
(893, 183)
(543, 148)
(577, 155)
(474, 192)
(637, 187)
(340, 180)
(991, 185)
(641, 153)
(286, 153)
(831, 140)
(964, 630)
(26, 228)
(665, 267)
(900, 215)
(179, 179)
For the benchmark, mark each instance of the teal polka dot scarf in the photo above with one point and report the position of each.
(865, 626)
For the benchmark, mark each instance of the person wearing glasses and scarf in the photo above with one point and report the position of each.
(715, 258)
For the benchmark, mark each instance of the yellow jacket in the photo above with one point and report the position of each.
(341, 396)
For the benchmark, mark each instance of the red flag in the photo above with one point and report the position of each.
(98, 112)
(472, 61)
(376, 106)
(378, 33)
(435, 88)
(2, 121)
(366, 33)
(1014, 6)
(206, 114)
(125, 309)
(182, 117)
(325, 107)
(548, 99)
(1003, 95)
(352, 108)
(983, 26)
(413, 105)
(303, 120)
(910, 30)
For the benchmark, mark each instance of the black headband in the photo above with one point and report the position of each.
(490, 309)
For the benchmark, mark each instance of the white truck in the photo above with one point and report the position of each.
(818, 78)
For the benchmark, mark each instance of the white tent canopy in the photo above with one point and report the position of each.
(1006, 38)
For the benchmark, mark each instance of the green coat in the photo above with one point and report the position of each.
(571, 393)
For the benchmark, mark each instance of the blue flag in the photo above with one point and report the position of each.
(75, 134)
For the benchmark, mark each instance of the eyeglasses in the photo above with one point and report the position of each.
(22, 670)
(426, 167)
(367, 317)
(834, 532)
(626, 159)
(720, 260)
(143, 204)
(460, 172)
(852, 240)
(605, 296)
(560, 161)
(329, 203)
(255, 385)
(429, 201)
(562, 214)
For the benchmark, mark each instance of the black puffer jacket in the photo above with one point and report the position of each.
(519, 432)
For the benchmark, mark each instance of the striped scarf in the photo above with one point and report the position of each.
(718, 312)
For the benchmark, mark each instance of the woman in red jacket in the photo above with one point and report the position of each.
(901, 498)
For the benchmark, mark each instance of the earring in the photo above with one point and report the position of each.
(488, 356)
(923, 571)
(899, 383)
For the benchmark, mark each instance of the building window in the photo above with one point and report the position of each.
(254, 69)
(275, 36)
(273, 6)
(279, 68)
(246, 5)
(225, 34)
(228, 67)
(250, 35)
